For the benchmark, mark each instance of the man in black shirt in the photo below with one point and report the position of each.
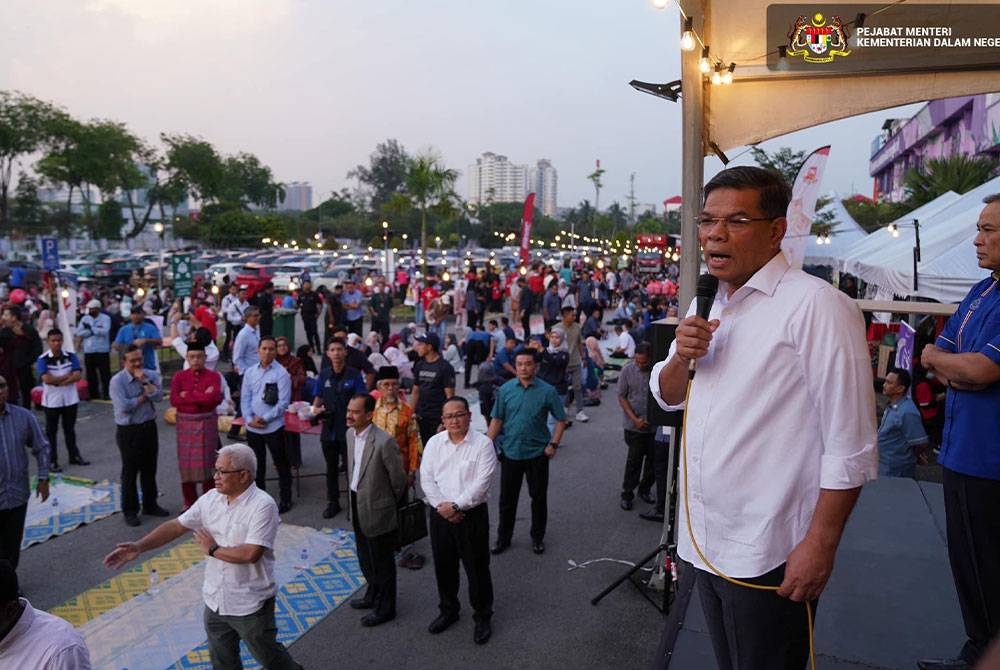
(335, 314)
(309, 304)
(433, 384)
(264, 301)
(355, 359)
(380, 308)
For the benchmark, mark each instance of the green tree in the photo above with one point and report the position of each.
(618, 217)
(784, 161)
(109, 220)
(428, 183)
(28, 214)
(246, 180)
(26, 126)
(192, 164)
(595, 177)
(237, 227)
(872, 215)
(385, 175)
(650, 223)
(957, 173)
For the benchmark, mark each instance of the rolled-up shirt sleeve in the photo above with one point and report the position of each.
(838, 375)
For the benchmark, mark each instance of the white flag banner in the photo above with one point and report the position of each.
(66, 319)
(802, 208)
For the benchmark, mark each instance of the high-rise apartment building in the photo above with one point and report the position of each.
(544, 181)
(495, 179)
(298, 197)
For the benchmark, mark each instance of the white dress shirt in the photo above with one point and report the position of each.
(627, 344)
(359, 451)
(41, 641)
(460, 473)
(237, 589)
(782, 405)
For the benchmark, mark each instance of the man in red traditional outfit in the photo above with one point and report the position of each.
(196, 392)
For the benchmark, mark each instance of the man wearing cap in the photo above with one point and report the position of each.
(433, 384)
(133, 394)
(396, 418)
(353, 303)
(195, 392)
(19, 433)
(95, 331)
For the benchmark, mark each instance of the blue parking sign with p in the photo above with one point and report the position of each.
(50, 253)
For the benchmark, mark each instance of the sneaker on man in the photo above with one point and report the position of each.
(582, 417)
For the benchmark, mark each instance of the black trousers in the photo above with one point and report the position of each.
(275, 443)
(468, 543)
(11, 531)
(428, 427)
(536, 471)
(312, 333)
(68, 416)
(139, 447)
(25, 382)
(378, 565)
(382, 328)
(526, 324)
(334, 453)
(98, 366)
(638, 463)
(753, 629)
(356, 326)
(475, 353)
(970, 505)
(227, 347)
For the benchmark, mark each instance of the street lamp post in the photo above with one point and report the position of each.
(385, 241)
(894, 230)
(158, 227)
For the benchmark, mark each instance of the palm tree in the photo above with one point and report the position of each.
(428, 182)
(958, 173)
(595, 177)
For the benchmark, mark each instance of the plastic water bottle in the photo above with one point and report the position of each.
(55, 508)
(303, 558)
(154, 582)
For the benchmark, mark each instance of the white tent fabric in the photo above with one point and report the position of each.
(845, 233)
(948, 268)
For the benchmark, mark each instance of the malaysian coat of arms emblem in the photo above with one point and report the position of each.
(817, 40)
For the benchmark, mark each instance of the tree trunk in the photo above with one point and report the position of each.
(423, 238)
(5, 172)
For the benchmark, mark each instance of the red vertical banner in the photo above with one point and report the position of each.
(526, 218)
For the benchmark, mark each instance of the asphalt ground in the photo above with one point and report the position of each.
(543, 616)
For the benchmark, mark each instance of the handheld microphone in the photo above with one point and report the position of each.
(704, 293)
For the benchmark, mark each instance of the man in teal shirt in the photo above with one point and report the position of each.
(521, 410)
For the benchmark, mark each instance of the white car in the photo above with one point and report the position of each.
(216, 272)
(287, 277)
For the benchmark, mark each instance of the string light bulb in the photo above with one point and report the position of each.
(661, 4)
(705, 64)
(727, 76)
(717, 75)
(687, 38)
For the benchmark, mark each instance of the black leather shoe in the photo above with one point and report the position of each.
(54, 467)
(442, 623)
(284, 506)
(651, 515)
(362, 603)
(538, 547)
(156, 511)
(482, 633)
(499, 547)
(132, 519)
(647, 497)
(78, 461)
(332, 510)
(376, 619)
(626, 505)
(943, 664)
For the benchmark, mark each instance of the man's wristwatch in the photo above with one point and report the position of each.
(214, 548)
(554, 445)
(456, 508)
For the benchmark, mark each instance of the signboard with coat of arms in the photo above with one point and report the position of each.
(180, 264)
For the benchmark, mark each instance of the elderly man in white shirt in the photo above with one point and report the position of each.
(236, 525)
(779, 426)
(456, 471)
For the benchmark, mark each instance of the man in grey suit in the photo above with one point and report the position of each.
(378, 479)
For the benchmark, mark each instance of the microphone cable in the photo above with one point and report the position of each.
(694, 542)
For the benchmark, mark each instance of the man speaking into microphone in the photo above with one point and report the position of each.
(779, 426)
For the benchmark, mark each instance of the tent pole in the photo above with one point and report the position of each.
(692, 156)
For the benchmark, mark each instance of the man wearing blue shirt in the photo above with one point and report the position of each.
(95, 331)
(966, 356)
(19, 432)
(353, 303)
(264, 396)
(521, 411)
(142, 334)
(247, 340)
(901, 435)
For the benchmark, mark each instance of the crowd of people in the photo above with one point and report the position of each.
(536, 345)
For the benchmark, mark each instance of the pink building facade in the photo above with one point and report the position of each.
(967, 125)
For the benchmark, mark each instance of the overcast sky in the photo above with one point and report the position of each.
(311, 86)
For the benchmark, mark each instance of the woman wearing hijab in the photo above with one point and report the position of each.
(293, 365)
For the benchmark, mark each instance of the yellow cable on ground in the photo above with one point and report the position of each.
(697, 548)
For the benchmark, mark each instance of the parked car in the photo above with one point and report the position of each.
(115, 270)
(254, 276)
(32, 271)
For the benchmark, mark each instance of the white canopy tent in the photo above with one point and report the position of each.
(948, 268)
(846, 233)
